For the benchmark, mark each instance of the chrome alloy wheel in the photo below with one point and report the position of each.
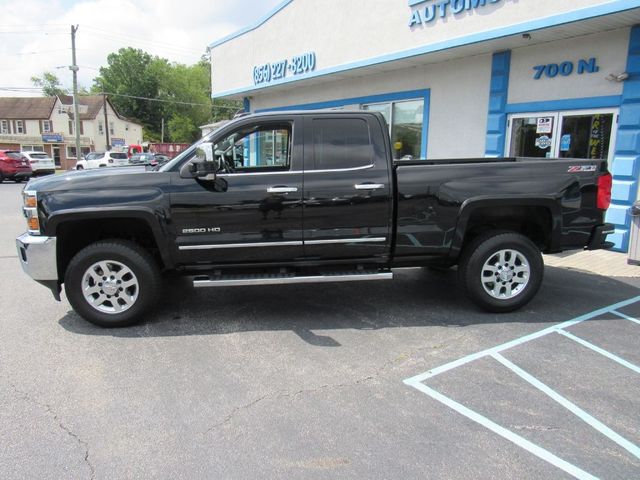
(110, 287)
(505, 274)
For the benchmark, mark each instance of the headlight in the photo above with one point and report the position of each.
(30, 209)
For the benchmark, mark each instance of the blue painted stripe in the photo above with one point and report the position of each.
(566, 104)
(425, 95)
(626, 160)
(626, 317)
(577, 15)
(251, 27)
(519, 341)
(572, 407)
(246, 103)
(504, 433)
(601, 351)
(498, 95)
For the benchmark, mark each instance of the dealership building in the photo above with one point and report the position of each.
(457, 78)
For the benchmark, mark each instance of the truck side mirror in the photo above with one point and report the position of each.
(199, 168)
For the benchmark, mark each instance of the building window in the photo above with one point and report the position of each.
(71, 151)
(81, 127)
(70, 127)
(4, 126)
(405, 120)
(32, 148)
(100, 128)
(111, 129)
(19, 127)
(46, 126)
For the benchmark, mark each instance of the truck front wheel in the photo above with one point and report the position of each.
(501, 271)
(112, 283)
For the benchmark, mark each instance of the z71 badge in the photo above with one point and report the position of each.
(582, 168)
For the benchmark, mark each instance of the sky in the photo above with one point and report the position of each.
(35, 34)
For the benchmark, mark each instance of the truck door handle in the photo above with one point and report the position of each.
(282, 189)
(369, 186)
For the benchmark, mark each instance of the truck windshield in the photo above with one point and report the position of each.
(188, 153)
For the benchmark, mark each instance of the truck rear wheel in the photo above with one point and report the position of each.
(501, 271)
(112, 283)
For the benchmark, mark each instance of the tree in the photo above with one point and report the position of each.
(50, 84)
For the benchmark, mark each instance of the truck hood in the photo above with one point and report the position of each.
(97, 179)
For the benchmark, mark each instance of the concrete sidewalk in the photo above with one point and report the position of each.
(598, 262)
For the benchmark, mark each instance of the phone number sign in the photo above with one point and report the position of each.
(298, 65)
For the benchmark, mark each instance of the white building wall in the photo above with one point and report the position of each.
(342, 32)
(458, 107)
(609, 49)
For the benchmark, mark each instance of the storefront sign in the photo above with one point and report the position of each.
(278, 70)
(117, 142)
(565, 69)
(424, 14)
(52, 138)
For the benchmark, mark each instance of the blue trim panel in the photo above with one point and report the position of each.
(626, 160)
(498, 95)
(614, 6)
(566, 104)
(246, 103)
(251, 27)
(384, 97)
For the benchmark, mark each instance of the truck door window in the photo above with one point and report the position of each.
(340, 143)
(255, 148)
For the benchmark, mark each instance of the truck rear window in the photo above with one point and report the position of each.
(341, 143)
(119, 156)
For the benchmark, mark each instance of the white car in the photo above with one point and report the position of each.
(103, 159)
(41, 163)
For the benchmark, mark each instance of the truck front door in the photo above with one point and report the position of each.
(252, 212)
(347, 198)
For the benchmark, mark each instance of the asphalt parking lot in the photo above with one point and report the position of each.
(402, 379)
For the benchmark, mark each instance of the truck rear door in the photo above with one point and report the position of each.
(347, 188)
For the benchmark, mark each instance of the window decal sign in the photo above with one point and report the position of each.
(543, 142)
(428, 11)
(565, 143)
(545, 125)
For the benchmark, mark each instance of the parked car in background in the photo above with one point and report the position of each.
(103, 159)
(142, 159)
(14, 166)
(41, 163)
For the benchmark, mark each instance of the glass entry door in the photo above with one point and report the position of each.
(573, 134)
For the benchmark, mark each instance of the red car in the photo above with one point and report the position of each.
(14, 166)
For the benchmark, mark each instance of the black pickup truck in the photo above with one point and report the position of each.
(305, 197)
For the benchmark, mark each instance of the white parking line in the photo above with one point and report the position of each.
(601, 351)
(494, 352)
(626, 317)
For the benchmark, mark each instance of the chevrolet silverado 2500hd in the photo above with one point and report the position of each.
(306, 197)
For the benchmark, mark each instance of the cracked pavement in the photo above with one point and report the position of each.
(297, 382)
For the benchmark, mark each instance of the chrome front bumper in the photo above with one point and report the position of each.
(38, 257)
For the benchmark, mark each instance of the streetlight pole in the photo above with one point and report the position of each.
(74, 68)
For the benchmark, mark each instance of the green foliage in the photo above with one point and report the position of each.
(184, 89)
(50, 84)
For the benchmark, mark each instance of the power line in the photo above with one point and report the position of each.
(141, 39)
(35, 53)
(176, 102)
(171, 50)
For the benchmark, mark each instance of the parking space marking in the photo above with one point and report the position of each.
(601, 351)
(522, 442)
(572, 407)
(626, 317)
(494, 352)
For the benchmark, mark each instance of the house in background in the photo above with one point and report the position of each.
(46, 124)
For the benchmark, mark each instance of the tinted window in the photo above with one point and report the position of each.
(95, 156)
(16, 155)
(119, 156)
(39, 155)
(341, 143)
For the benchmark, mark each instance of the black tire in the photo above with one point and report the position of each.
(17, 180)
(512, 293)
(1, 178)
(145, 273)
(79, 167)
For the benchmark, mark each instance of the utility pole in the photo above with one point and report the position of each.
(74, 68)
(106, 124)
(162, 132)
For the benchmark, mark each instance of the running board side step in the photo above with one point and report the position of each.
(280, 279)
